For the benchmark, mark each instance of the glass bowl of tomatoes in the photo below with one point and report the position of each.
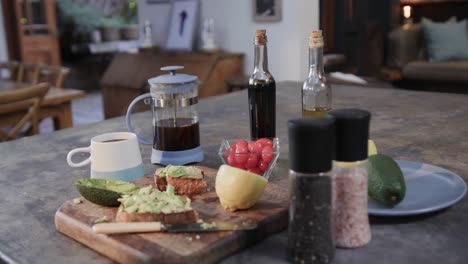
(258, 156)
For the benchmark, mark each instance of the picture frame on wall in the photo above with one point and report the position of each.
(267, 10)
(183, 20)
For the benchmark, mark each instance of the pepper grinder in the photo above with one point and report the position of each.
(349, 179)
(311, 153)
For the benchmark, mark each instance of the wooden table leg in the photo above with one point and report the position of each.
(64, 119)
(61, 115)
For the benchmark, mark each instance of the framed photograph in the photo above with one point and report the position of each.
(266, 10)
(183, 20)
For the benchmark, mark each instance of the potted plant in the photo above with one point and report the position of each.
(110, 29)
(129, 29)
(78, 20)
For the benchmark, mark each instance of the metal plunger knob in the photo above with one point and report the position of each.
(172, 69)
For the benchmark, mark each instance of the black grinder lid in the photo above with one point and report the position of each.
(352, 134)
(311, 148)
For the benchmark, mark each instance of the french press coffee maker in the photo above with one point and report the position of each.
(176, 132)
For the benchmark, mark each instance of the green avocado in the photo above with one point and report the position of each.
(104, 192)
(386, 181)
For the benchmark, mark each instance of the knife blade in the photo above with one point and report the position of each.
(141, 227)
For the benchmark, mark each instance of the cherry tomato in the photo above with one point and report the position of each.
(250, 146)
(267, 154)
(240, 148)
(231, 160)
(265, 142)
(241, 142)
(252, 161)
(257, 147)
(241, 153)
(263, 166)
(239, 166)
(241, 158)
(256, 171)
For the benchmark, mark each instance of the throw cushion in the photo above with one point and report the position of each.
(405, 45)
(446, 41)
(452, 19)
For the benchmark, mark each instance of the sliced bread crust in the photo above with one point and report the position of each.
(186, 186)
(182, 186)
(186, 217)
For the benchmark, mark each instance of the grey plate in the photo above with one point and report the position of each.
(428, 188)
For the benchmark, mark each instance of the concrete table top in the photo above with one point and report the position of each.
(418, 126)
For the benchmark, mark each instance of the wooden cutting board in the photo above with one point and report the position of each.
(271, 214)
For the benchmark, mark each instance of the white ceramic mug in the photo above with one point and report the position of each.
(114, 156)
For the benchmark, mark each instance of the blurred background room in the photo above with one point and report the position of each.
(108, 49)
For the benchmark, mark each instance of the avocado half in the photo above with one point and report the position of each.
(386, 181)
(103, 191)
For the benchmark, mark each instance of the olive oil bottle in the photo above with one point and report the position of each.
(315, 112)
(316, 91)
(262, 92)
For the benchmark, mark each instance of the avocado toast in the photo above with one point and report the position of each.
(187, 180)
(151, 205)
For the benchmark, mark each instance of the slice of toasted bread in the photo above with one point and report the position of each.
(185, 185)
(186, 217)
(182, 186)
(151, 205)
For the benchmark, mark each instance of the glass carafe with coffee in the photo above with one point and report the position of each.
(176, 132)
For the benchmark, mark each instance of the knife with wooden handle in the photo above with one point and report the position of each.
(141, 227)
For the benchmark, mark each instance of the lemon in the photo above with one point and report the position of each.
(350, 165)
(238, 189)
(371, 148)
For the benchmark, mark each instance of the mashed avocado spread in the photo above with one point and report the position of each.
(150, 200)
(180, 171)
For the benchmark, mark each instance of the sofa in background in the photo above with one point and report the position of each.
(407, 53)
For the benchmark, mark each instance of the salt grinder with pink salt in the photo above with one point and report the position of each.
(349, 179)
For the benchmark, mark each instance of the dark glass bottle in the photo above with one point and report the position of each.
(316, 91)
(262, 92)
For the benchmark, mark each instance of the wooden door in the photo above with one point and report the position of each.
(327, 23)
(37, 31)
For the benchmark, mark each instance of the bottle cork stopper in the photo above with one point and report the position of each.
(260, 32)
(260, 37)
(316, 33)
(316, 39)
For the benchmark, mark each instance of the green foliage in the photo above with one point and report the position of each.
(129, 13)
(87, 18)
(111, 21)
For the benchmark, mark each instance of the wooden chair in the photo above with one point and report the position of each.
(11, 67)
(28, 73)
(36, 73)
(18, 107)
(55, 75)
